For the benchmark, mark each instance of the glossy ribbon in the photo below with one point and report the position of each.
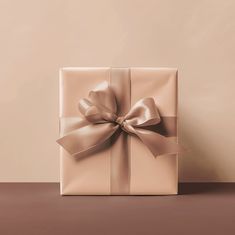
(101, 122)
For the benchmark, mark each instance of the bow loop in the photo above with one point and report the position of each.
(91, 112)
(100, 107)
(103, 97)
(143, 113)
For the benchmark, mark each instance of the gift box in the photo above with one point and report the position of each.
(118, 131)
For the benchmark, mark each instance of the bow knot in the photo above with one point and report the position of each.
(121, 122)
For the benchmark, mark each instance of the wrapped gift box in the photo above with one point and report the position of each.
(122, 164)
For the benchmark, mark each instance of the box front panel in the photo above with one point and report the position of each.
(91, 175)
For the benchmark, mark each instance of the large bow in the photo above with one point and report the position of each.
(101, 122)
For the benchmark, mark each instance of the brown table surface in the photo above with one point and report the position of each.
(37, 208)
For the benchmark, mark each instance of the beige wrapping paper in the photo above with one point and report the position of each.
(98, 173)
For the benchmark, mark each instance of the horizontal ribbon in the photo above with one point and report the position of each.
(101, 122)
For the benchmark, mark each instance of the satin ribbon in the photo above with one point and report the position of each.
(101, 122)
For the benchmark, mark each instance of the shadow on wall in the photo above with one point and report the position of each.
(196, 164)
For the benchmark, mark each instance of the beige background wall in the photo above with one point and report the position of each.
(39, 37)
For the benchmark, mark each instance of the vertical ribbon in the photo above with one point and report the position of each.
(120, 154)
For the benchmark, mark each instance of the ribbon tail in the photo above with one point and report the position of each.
(156, 143)
(87, 138)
